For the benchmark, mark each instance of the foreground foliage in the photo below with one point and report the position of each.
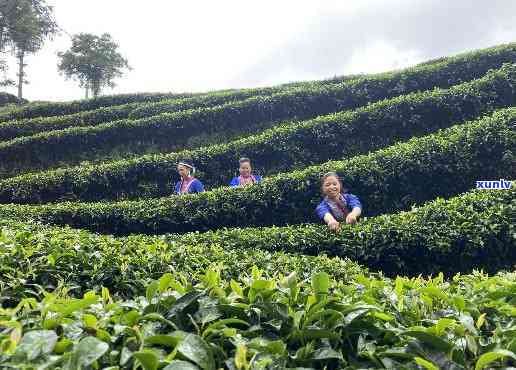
(279, 322)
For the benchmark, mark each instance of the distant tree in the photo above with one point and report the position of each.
(24, 27)
(6, 11)
(94, 61)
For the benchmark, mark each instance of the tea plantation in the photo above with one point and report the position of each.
(102, 266)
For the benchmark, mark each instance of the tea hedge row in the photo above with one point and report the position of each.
(220, 98)
(169, 132)
(282, 322)
(469, 65)
(35, 256)
(280, 149)
(474, 230)
(496, 55)
(13, 129)
(442, 164)
(47, 109)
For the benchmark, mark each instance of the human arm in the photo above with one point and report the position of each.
(323, 211)
(356, 208)
(332, 223)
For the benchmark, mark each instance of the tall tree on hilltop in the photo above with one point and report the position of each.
(5, 9)
(94, 61)
(24, 27)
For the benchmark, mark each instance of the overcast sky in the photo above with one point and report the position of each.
(211, 45)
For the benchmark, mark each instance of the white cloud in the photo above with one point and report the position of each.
(205, 45)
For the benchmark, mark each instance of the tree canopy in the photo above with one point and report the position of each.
(24, 27)
(94, 61)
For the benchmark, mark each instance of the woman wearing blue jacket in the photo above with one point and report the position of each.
(188, 183)
(246, 177)
(336, 205)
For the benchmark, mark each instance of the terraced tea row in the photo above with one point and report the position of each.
(148, 100)
(473, 230)
(492, 57)
(168, 132)
(34, 255)
(442, 164)
(280, 149)
(12, 129)
(44, 109)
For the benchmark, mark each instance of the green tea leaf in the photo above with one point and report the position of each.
(89, 321)
(442, 325)
(63, 345)
(151, 291)
(164, 282)
(492, 356)
(321, 283)
(426, 364)
(241, 357)
(36, 343)
(430, 339)
(164, 340)
(106, 297)
(148, 359)
(197, 350)
(237, 288)
(89, 350)
(481, 320)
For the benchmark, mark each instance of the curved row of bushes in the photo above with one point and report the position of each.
(280, 149)
(502, 53)
(482, 59)
(441, 164)
(220, 98)
(13, 129)
(168, 132)
(47, 109)
(47, 256)
(474, 230)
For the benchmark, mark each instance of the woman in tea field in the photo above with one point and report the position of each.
(246, 177)
(188, 183)
(338, 205)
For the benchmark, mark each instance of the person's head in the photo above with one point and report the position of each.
(331, 184)
(185, 169)
(244, 167)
